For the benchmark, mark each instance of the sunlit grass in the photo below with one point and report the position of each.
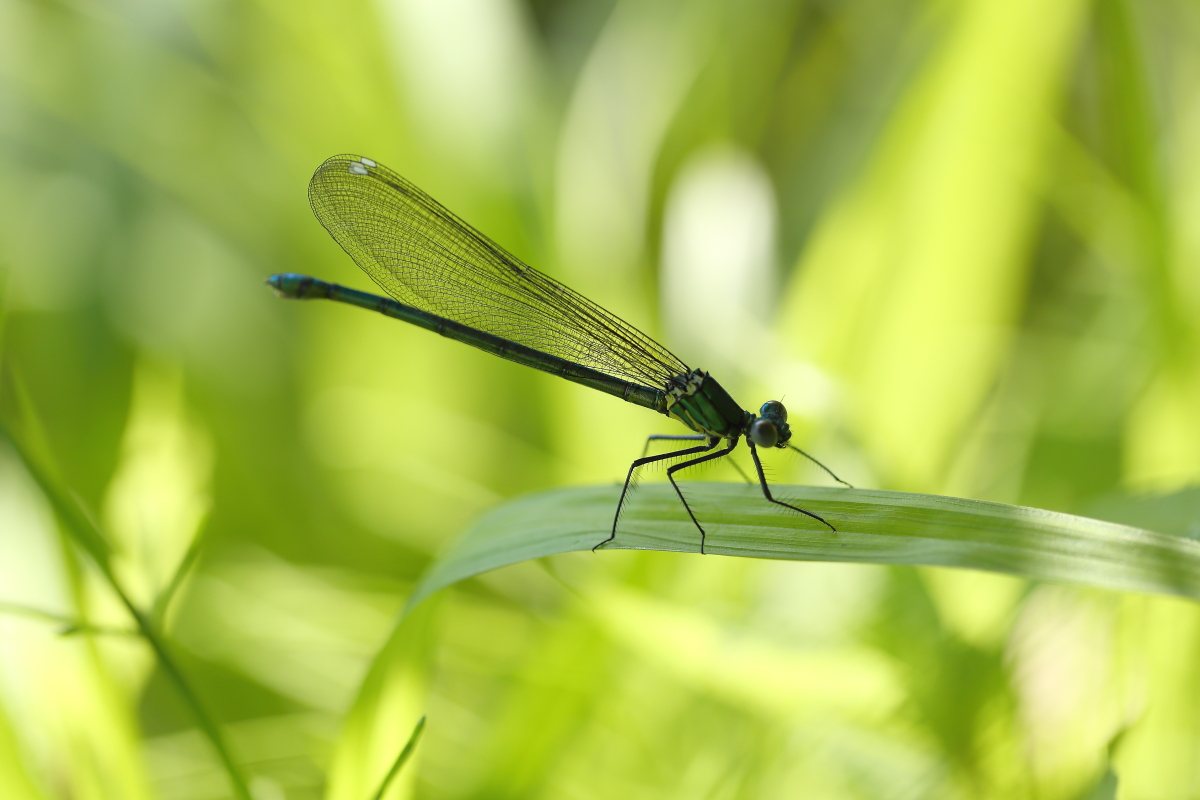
(958, 239)
(872, 527)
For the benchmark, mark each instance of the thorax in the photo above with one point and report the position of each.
(702, 404)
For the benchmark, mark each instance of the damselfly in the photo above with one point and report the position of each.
(445, 276)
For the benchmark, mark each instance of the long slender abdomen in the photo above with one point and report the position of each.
(304, 287)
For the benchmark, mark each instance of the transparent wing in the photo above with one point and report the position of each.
(426, 257)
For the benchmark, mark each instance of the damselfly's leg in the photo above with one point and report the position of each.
(741, 472)
(672, 437)
(691, 437)
(642, 462)
(822, 466)
(762, 480)
(671, 477)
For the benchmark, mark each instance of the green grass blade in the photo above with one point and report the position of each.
(162, 603)
(28, 440)
(873, 527)
(68, 625)
(393, 689)
(82, 528)
(409, 746)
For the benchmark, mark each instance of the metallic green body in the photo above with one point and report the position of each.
(695, 399)
(704, 406)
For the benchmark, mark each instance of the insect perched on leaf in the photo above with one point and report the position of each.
(447, 277)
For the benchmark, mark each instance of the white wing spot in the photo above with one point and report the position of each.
(358, 169)
(369, 162)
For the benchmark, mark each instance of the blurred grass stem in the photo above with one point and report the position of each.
(70, 625)
(85, 531)
(407, 751)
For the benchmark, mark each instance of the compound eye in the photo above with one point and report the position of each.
(774, 408)
(763, 433)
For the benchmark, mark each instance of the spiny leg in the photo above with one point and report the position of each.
(692, 437)
(762, 480)
(642, 462)
(672, 437)
(741, 472)
(822, 466)
(671, 477)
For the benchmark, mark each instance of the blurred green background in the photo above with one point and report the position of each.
(959, 238)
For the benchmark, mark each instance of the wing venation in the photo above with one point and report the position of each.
(426, 257)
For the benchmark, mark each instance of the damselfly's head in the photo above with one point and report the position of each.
(770, 428)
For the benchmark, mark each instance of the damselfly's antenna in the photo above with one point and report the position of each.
(822, 466)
